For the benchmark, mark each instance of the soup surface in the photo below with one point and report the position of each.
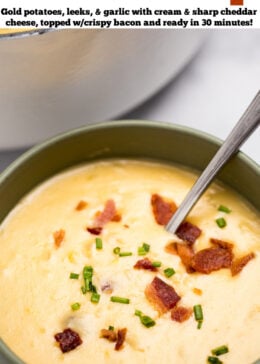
(13, 30)
(88, 272)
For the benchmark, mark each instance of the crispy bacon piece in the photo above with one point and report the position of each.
(113, 336)
(110, 335)
(95, 230)
(207, 260)
(68, 340)
(186, 253)
(81, 205)
(197, 291)
(221, 243)
(171, 248)
(180, 313)
(121, 335)
(188, 232)
(145, 264)
(58, 237)
(102, 218)
(211, 259)
(161, 295)
(162, 209)
(240, 263)
(117, 217)
(107, 214)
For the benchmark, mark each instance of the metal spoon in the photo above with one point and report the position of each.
(248, 122)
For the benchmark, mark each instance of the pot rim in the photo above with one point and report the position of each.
(26, 33)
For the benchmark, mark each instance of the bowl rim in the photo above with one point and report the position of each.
(8, 353)
(115, 124)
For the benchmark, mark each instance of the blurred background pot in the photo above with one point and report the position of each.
(52, 81)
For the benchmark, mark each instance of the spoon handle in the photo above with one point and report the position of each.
(248, 122)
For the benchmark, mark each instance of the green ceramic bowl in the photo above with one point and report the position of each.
(121, 139)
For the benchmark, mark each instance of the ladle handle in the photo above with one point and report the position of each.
(248, 122)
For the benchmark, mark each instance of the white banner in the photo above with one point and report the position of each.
(114, 14)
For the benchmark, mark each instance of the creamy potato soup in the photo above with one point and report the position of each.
(88, 272)
(13, 30)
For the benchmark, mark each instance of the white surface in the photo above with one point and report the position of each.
(215, 89)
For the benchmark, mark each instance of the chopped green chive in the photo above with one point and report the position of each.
(138, 313)
(224, 209)
(125, 254)
(111, 328)
(87, 276)
(74, 276)
(87, 272)
(168, 272)
(99, 243)
(93, 288)
(197, 309)
(141, 251)
(75, 306)
(88, 285)
(119, 299)
(147, 321)
(95, 297)
(214, 360)
(156, 264)
(199, 325)
(116, 250)
(221, 222)
(144, 249)
(83, 290)
(220, 350)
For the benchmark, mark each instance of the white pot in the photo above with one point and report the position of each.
(58, 80)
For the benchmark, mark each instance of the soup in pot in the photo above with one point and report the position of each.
(13, 30)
